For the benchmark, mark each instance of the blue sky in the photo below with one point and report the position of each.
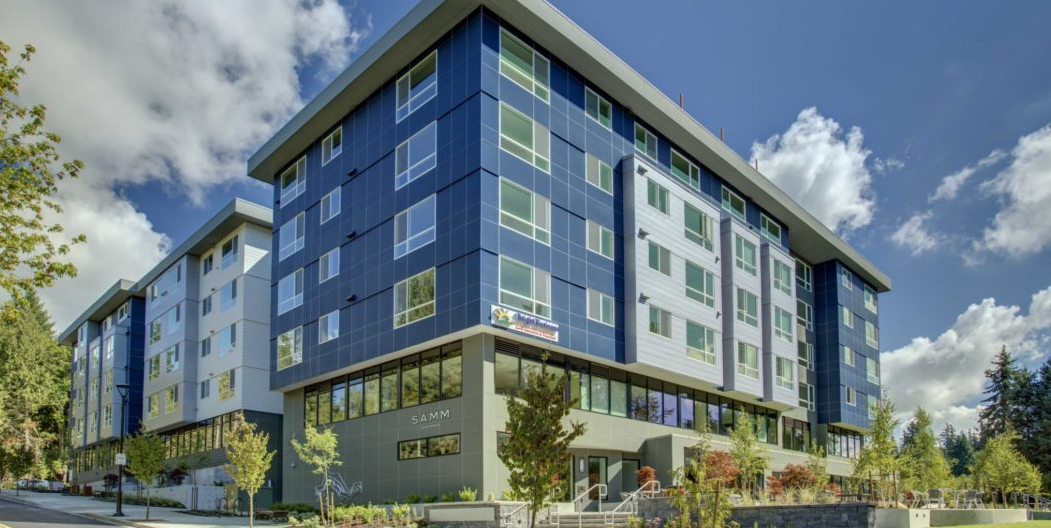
(933, 87)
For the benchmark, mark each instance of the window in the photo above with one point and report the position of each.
(748, 360)
(872, 370)
(785, 373)
(769, 228)
(700, 342)
(600, 307)
(294, 181)
(416, 156)
(206, 388)
(600, 239)
(429, 447)
(171, 359)
(698, 226)
(804, 275)
(414, 227)
(330, 205)
(290, 348)
(228, 296)
(227, 384)
(328, 265)
(598, 108)
(660, 259)
(700, 284)
(108, 388)
(165, 324)
(523, 287)
(795, 435)
(227, 340)
(109, 347)
(782, 277)
(414, 298)
(524, 66)
(171, 399)
(870, 299)
(660, 322)
(873, 401)
(107, 417)
(154, 367)
(852, 396)
(848, 356)
(804, 315)
(525, 138)
(122, 312)
(290, 291)
(747, 307)
(207, 263)
(845, 278)
(783, 325)
(848, 317)
(328, 327)
(871, 335)
(656, 196)
(229, 252)
(806, 395)
(165, 283)
(417, 86)
(806, 354)
(153, 406)
(331, 146)
(645, 141)
(744, 255)
(599, 173)
(733, 203)
(685, 170)
(206, 306)
(525, 211)
(206, 347)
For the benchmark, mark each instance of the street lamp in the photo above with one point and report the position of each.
(122, 389)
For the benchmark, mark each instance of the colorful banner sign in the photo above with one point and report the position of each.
(523, 322)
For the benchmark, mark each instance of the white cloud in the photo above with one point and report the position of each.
(1023, 224)
(178, 92)
(885, 165)
(952, 183)
(914, 236)
(945, 375)
(822, 169)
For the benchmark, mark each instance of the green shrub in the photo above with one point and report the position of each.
(293, 507)
(401, 513)
(448, 497)
(412, 499)
(468, 494)
(430, 498)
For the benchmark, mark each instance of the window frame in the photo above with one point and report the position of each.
(298, 227)
(706, 237)
(849, 358)
(533, 286)
(601, 299)
(296, 301)
(745, 314)
(325, 261)
(872, 339)
(807, 315)
(324, 327)
(663, 258)
(414, 241)
(870, 295)
(404, 285)
(807, 280)
(846, 279)
(334, 204)
(540, 161)
(657, 197)
(783, 284)
(594, 170)
(728, 197)
(702, 296)
(295, 354)
(848, 317)
(647, 136)
(537, 203)
(766, 224)
(599, 100)
(692, 174)
(784, 373)
(602, 233)
(663, 322)
(328, 153)
(706, 356)
(544, 91)
(783, 317)
(740, 244)
(414, 102)
(852, 396)
(414, 171)
(746, 368)
(288, 192)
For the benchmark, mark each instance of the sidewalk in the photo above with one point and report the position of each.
(134, 515)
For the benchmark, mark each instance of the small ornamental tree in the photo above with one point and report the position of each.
(705, 496)
(538, 442)
(923, 464)
(720, 466)
(319, 451)
(878, 458)
(249, 459)
(145, 461)
(797, 477)
(747, 453)
(999, 466)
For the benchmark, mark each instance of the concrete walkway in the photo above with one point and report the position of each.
(134, 515)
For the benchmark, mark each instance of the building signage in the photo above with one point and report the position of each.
(121, 460)
(430, 417)
(524, 323)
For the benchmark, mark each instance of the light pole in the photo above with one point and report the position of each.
(123, 389)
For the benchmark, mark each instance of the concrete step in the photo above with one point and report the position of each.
(586, 519)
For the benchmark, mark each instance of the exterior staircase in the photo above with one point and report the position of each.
(585, 520)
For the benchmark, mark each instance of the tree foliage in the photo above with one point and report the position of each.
(923, 464)
(320, 451)
(30, 169)
(705, 487)
(878, 458)
(748, 454)
(538, 442)
(249, 459)
(959, 449)
(999, 466)
(146, 460)
(1003, 406)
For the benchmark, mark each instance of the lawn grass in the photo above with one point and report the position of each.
(1029, 524)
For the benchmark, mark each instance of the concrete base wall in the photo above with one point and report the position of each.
(958, 517)
(902, 518)
(474, 514)
(849, 515)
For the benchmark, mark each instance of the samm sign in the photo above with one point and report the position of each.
(524, 323)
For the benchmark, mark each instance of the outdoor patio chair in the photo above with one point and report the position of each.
(973, 499)
(935, 497)
(919, 500)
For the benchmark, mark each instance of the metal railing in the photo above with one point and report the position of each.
(601, 490)
(1032, 501)
(505, 519)
(631, 502)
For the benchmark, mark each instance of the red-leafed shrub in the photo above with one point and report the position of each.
(719, 465)
(644, 475)
(798, 476)
(774, 487)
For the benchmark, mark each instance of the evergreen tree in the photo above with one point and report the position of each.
(1001, 389)
(878, 459)
(959, 450)
(923, 464)
(1038, 446)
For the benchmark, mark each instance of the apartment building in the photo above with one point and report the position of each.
(488, 184)
(202, 321)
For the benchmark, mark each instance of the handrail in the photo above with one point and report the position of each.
(602, 490)
(505, 519)
(632, 500)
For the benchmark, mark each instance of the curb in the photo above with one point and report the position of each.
(86, 516)
(115, 520)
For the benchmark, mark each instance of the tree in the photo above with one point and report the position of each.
(747, 453)
(703, 477)
(959, 450)
(30, 170)
(319, 450)
(538, 443)
(1001, 390)
(999, 466)
(249, 459)
(719, 466)
(817, 461)
(878, 457)
(145, 453)
(798, 477)
(1038, 446)
(923, 465)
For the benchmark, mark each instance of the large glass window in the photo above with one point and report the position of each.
(660, 258)
(328, 326)
(748, 360)
(806, 354)
(227, 339)
(415, 156)
(290, 348)
(599, 173)
(733, 203)
(328, 265)
(372, 393)
(171, 399)
(429, 447)
(339, 402)
(795, 435)
(525, 211)
(452, 373)
(700, 284)
(331, 146)
(525, 138)
(229, 252)
(154, 367)
(783, 325)
(290, 291)
(291, 236)
(782, 277)
(656, 196)
(523, 287)
(389, 387)
(330, 205)
(523, 65)
(294, 181)
(685, 170)
(600, 307)
(744, 255)
(872, 370)
(414, 227)
(804, 315)
(848, 317)
(806, 395)
(870, 299)
(785, 373)
(700, 342)
(430, 377)
(417, 86)
(227, 384)
(747, 307)
(410, 381)
(414, 298)
(600, 239)
(660, 322)
(645, 141)
(598, 108)
(769, 228)
(804, 275)
(698, 226)
(228, 296)
(846, 279)
(871, 335)
(171, 359)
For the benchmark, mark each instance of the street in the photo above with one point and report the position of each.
(18, 515)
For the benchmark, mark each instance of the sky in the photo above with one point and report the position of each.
(919, 131)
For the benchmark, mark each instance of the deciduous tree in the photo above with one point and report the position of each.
(747, 453)
(145, 461)
(878, 458)
(999, 466)
(923, 465)
(249, 459)
(319, 450)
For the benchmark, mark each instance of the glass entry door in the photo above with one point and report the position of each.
(628, 475)
(596, 474)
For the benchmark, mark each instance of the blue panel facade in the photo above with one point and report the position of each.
(136, 344)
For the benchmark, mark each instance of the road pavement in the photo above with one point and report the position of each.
(19, 515)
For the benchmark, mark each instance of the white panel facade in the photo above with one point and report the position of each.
(776, 344)
(736, 332)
